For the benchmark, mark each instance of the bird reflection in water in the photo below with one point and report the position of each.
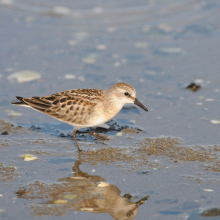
(81, 192)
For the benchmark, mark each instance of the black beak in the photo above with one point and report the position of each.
(140, 202)
(137, 102)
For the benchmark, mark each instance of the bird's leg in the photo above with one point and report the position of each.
(74, 136)
(92, 133)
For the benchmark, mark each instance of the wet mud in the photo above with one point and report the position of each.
(7, 172)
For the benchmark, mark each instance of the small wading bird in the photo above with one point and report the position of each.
(83, 108)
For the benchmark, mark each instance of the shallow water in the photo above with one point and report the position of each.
(159, 47)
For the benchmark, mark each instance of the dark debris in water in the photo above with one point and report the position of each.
(114, 127)
(194, 87)
(4, 133)
(8, 128)
(35, 127)
(210, 212)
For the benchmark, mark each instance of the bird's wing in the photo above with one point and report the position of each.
(73, 106)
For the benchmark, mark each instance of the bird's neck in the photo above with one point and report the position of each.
(111, 106)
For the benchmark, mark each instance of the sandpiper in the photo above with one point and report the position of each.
(83, 107)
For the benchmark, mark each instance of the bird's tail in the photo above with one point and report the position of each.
(21, 102)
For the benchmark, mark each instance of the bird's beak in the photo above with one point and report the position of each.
(137, 102)
(140, 202)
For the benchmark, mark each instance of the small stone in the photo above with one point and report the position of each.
(61, 10)
(194, 87)
(13, 113)
(199, 81)
(119, 134)
(24, 76)
(208, 190)
(28, 157)
(4, 133)
(215, 121)
(69, 76)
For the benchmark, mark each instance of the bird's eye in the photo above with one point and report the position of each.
(126, 93)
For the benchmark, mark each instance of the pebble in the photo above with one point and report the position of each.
(215, 121)
(24, 76)
(69, 76)
(119, 134)
(61, 10)
(13, 113)
(208, 190)
(28, 157)
(199, 81)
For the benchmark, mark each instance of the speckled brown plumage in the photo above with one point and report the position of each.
(73, 106)
(83, 107)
